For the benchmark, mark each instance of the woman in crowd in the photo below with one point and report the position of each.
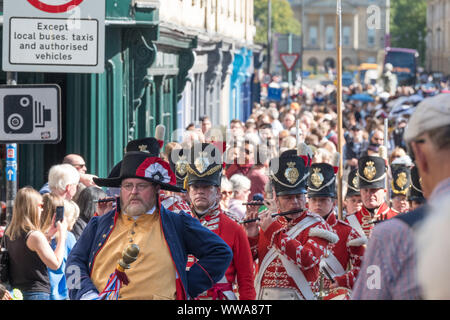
(58, 285)
(29, 250)
(241, 190)
(89, 208)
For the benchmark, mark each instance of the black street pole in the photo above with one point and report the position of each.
(269, 34)
(11, 163)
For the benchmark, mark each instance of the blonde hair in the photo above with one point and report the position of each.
(51, 201)
(25, 215)
(71, 213)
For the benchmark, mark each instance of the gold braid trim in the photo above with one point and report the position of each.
(207, 173)
(374, 180)
(396, 191)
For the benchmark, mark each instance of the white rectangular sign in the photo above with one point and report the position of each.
(30, 114)
(54, 36)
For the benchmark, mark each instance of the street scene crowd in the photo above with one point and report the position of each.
(252, 211)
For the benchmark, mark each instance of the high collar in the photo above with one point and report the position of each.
(378, 212)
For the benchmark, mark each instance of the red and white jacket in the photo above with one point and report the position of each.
(174, 203)
(349, 250)
(363, 222)
(240, 271)
(305, 250)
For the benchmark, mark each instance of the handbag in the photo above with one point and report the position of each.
(4, 262)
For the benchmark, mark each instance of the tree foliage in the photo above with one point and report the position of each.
(283, 20)
(409, 25)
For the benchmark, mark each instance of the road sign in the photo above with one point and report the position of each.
(30, 114)
(54, 36)
(11, 162)
(289, 60)
(56, 6)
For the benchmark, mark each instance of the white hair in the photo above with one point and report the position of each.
(225, 184)
(240, 182)
(433, 252)
(61, 175)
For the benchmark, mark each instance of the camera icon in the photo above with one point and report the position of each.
(22, 114)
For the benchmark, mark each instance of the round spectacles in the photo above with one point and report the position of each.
(139, 187)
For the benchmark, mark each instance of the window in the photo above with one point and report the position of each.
(313, 36)
(346, 36)
(329, 38)
(371, 33)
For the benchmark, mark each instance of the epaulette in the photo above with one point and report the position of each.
(357, 242)
(324, 234)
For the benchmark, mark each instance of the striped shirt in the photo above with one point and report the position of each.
(389, 270)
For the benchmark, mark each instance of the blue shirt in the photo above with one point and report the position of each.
(58, 290)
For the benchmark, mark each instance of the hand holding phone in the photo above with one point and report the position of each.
(59, 215)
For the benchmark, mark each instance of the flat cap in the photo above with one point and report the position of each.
(431, 113)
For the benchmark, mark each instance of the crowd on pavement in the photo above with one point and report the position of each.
(250, 211)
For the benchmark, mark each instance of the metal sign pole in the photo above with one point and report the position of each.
(11, 163)
(339, 105)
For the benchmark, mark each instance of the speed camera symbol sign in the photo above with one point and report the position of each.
(30, 114)
(55, 6)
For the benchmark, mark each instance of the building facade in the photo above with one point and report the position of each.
(363, 31)
(438, 36)
(217, 82)
(166, 62)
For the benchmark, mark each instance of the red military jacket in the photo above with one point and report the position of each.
(240, 270)
(174, 203)
(305, 250)
(365, 220)
(349, 249)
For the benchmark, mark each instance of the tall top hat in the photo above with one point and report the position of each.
(372, 172)
(401, 179)
(142, 165)
(353, 184)
(205, 165)
(321, 181)
(288, 173)
(415, 190)
(178, 160)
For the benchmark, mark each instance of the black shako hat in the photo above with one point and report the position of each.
(372, 172)
(353, 184)
(288, 173)
(321, 181)
(415, 190)
(401, 179)
(205, 165)
(148, 145)
(142, 165)
(178, 160)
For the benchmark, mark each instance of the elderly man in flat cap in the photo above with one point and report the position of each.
(389, 269)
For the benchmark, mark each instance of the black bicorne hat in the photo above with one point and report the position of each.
(205, 165)
(353, 184)
(321, 181)
(401, 179)
(178, 160)
(136, 164)
(372, 172)
(288, 173)
(415, 190)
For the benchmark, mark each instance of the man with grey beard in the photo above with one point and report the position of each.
(164, 239)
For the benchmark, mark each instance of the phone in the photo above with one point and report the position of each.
(59, 216)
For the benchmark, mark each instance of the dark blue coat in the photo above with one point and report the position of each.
(184, 235)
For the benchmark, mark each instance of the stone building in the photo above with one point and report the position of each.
(438, 36)
(363, 31)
